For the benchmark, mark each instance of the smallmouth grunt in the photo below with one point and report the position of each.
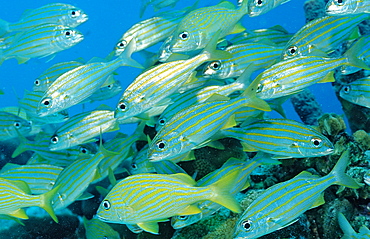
(357, 92)
(281, 205)
(347, 7)
(40, 41)
(146, 199)
(259, 7)
(11, 125)
(55, 13)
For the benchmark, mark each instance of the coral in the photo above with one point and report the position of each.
(314, 9)
(306, 106)
(362, 138)
(331, 124)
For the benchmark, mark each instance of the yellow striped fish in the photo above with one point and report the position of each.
(293, 75)
(347, 7)
(260, 55)
(75, 178)
(281, 204)
(157, 4)
(198, 27)
(15, 195)
(96, 229)
(146, 199)
(40, 178)
(11, 125)
(282, 137)
(29, 104)
(323, 34)
(193, 127)
(40, 41)
(82, 128)
(209, 208)
(153, 87)
(79, 83)
(357, 92)
(55, 13)
(151, 31)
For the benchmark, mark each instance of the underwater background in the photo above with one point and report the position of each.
(108, 20)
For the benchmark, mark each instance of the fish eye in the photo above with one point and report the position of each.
(215, 65)
(160, 144)
(75, 13)
(110, 86)
(184, 35)
(259, 88)
(37, 82)
(106, 205)
(17, 124)
(338, 2)
(54, 139)
(46, 102)
(134, 165)
(84, 150)
(316, 142)
(162, 121)
(122, 106)
(292, 51)
(68, 33)
(105, 237)
(346, 89)
(183, 217)
(122, 44)
(259, 3)
(247, 225)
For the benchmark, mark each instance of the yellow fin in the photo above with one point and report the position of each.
(190, 210)
(46, 202)
(151, 227)
(230, 122)
(184, 178)
(238, 28)
(319, 201)
(21, 185)
(19, 213)
(328, 78)
(247, 147)
(226, 4)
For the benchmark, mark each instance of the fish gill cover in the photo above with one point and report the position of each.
(83, 88)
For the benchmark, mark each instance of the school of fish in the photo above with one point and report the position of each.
(199, 87)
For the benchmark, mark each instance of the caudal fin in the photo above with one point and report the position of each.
(125, 57)
(46, 199)
(354, 51)
(339, 172)
(251, 99)
(4, 27)
(222, 194)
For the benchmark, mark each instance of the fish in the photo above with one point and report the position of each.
(281, 137)
(80, 83)
(157, 4)
(82, 128)
(281, 204)
(40, 41)
(146, 199)
(357, 92)
(54, 13)
(40, 178)
(29, 104)
(347, 7)
(322, 35)
(293, 75)
(105, 91)
(11, 125)
(48, 76)
(348, 230)
(153, 87)
(74, 179)
(198, 27)
(16, 195)
(96, 229)
(41, 147)
(151, 31)
(260, 55)
(276, 34)
(363, 54)
(259, 7)
(209, 208)
(194, 126)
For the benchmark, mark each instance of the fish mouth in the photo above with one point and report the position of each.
(83, 18)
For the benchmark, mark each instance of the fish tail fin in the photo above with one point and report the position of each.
(211, 49)
(251, 100)
(344, 225)
(339, 172)
(222, 189)
(22, 147)
(125, 56)
(46, 202)
(4, 27)
(352, 54)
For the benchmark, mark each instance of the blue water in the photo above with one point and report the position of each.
(108, 20)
